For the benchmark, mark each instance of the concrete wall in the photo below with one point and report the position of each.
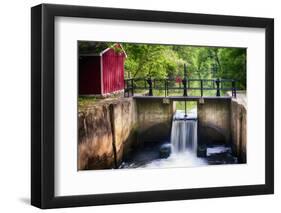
(214, 121)
(239, 129)
(154, 119)
(106, 132)
(110, 129)
(224, 121)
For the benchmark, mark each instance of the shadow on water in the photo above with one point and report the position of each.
(143, 155)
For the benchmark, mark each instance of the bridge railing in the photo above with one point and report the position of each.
(185, 86)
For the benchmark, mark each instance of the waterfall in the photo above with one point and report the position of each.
(183, 143)
(184, 133)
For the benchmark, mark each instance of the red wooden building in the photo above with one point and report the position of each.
(102, 73)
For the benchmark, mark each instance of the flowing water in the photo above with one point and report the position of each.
(184, 133)
(181, 150)
(183, 145)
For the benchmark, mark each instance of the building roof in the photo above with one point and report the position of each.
(98, 49)
(114, 45)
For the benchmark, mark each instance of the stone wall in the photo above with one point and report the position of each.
(239, 129)
(106, 132)
(154, 119)
(214, 121)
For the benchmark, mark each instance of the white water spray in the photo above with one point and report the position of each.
(183, 143)
(184, 134)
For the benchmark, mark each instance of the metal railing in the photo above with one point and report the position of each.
(168, 85)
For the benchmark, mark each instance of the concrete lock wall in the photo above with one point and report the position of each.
(214, 121)
(239, 129)
(224, 121)
(154, 119)
(107, 130)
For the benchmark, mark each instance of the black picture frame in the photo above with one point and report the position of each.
(43, 110)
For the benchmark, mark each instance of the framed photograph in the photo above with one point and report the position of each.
(140, 106)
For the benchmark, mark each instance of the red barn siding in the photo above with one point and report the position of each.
(100, 75)
(113, 71)
(89, 75)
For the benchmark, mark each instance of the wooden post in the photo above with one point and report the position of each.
(149, 81)
(184, 87)
(218, 87)
(125, 88)
(165, 82)
(132, 82)
(167, 87)
(233, 89)
(201, 86)
(184, 81)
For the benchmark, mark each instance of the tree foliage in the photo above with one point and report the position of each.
(162, 61)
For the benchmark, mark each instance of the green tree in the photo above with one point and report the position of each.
(162, 61)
